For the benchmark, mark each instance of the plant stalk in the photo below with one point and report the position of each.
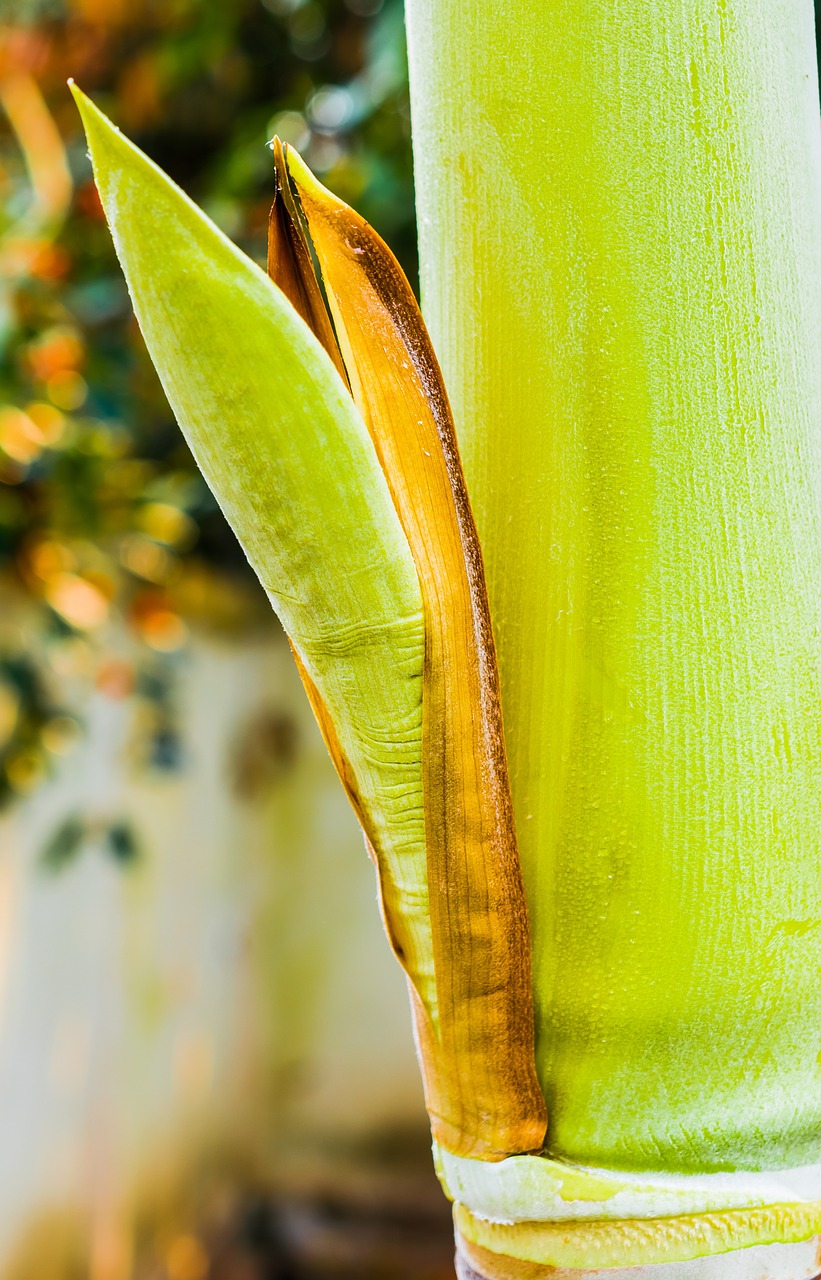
(620, 235)
(621, 270)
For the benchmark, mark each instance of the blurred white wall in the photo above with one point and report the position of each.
(227, 989)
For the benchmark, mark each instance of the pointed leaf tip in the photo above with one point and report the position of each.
(91, 115)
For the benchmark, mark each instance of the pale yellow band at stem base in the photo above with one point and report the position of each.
(796, 1261)
(532, 1250)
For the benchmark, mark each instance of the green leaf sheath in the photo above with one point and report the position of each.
(290, 461)
(620, 213)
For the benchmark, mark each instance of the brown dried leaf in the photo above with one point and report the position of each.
(481, 1084)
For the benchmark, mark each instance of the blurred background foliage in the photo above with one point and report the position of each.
(111, 546)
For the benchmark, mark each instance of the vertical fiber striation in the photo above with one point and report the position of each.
(621, 263)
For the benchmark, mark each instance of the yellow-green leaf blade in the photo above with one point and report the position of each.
(289, 459)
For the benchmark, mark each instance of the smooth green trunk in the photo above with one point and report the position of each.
(620, 221)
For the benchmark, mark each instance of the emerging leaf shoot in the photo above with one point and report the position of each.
(335, 459)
